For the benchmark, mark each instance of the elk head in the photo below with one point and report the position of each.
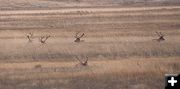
(29, 36)
(78, 37)
(83, 62)
(43, 39)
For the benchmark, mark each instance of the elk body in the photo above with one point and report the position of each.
(43, 39)
(83, 62)
(29, 36)
(78, 37)
(161, 37)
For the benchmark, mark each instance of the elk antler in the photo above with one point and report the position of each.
(78, 38)
(161, 34)
(79, 59)
(76, 35)
(158, 34)
(81, 35)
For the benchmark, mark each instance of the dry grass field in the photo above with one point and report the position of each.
(118, 42)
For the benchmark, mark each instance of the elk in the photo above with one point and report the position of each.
(161, 37)
(43, 39)
(83, 63)
(78, 37)
(29, 36)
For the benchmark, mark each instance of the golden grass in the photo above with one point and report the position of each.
(97, 71)
(132, 65)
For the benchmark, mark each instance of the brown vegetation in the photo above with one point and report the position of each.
(122, 54)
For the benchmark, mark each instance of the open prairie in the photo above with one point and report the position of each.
(119, 42)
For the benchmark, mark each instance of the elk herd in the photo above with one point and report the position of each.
(44, 38)
(78, 36)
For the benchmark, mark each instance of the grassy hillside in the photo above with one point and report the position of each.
(126, 74)
(119, 42)
(110, 34)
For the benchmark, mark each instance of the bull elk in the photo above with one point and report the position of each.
(78, 37)
(83, 62)
(43, 39)
(29, 36)
(161, 37)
